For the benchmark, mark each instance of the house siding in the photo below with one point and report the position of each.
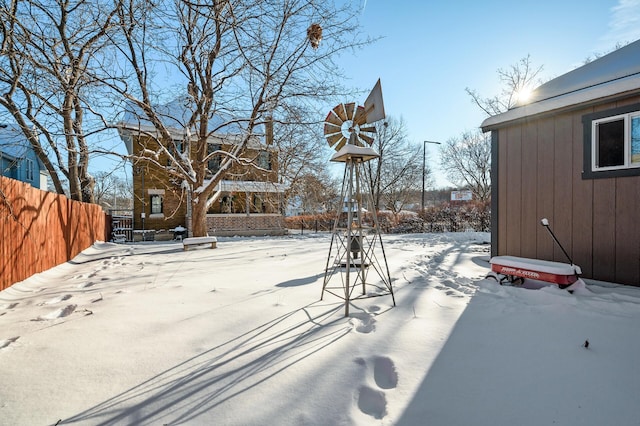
(538, 164)
(149, 178)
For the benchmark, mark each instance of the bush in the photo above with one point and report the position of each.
(447, 217)
(317, 222)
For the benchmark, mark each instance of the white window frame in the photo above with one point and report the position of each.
(627, 159)
(30, 170)
(158, 193)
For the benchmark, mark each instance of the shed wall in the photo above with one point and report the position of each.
(538, 171)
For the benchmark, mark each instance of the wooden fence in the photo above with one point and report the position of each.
(39, 230)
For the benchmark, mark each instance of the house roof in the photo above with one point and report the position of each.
(613, 74)
(175, 116)
(12, 142)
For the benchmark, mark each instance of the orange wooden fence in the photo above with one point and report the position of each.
(39, 230)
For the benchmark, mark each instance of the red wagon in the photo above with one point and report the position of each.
(515, 269)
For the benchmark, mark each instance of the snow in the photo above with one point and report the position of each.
(150, 334)
(537, 265)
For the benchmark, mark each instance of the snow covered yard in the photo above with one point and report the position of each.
(150, 334)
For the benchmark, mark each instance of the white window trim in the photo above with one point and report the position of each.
(30, 172)
(159, 192)
(627, 142)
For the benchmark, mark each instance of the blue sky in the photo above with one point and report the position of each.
(431, 51)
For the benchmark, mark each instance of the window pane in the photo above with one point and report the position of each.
(610, 143)
(264, 160)
(214, 163)
(29, 170)
(156, 204)
(635, 139)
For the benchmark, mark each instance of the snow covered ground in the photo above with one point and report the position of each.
(148, 334)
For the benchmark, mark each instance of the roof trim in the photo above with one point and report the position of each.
(251, 186)
(628, 84)
(612, 75)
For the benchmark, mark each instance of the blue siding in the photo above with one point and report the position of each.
(17, 158)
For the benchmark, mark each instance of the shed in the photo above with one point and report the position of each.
(571, 153)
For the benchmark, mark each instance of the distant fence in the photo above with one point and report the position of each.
(39, 230)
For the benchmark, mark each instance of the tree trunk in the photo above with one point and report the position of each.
(198, 218)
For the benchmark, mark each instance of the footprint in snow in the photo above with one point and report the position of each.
(374, 309)
(363, 323)
(372, 402)
(56, 300)
(58, 313)
(86, 285)
(6, 342)
(384, 373)
(8, 306)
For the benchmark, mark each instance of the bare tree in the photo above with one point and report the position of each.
(517, 79)
(112, 191)
(50, 60)
(467, 162)
(396, 175)
(241, 63)
(316, 193)
(300, 146)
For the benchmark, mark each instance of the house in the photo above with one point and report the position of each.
(248, 202)
(18, 159)
(571, 154)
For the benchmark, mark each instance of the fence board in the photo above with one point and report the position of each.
(39, 230)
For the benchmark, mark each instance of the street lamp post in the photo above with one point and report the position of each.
(424, 166)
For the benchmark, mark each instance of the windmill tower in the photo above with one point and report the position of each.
(356, 266)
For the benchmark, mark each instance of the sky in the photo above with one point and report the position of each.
(149, 334)
(430, 52)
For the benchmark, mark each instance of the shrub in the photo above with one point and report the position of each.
(446, 217)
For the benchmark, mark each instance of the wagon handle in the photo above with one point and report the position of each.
(545, 223)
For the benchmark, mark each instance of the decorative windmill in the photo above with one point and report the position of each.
(356, 257)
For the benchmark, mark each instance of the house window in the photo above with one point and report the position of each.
(175, 148)
(30, 167)
(264, 160)
(226, 204)
(612, 143)
(156, 204)
(214, 162)
(259, 205)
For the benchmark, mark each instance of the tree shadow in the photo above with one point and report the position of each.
(198, 385)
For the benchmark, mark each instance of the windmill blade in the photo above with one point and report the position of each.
(360, 116)
(368, 129)
(367, 139)
(350, 109)
(330, 128)
(340, 111)
(335, 138)
(341, 144)
(332, 118)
